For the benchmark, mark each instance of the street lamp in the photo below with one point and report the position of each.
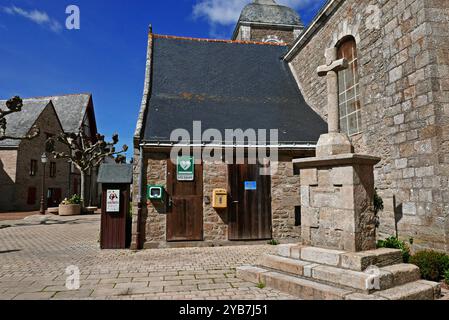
(44, 160)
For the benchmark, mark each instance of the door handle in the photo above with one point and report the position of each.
(235, 201)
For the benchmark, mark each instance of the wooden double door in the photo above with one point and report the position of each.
(249, 207)
(185, 213)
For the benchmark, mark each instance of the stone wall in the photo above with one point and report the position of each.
(264, 34)
(285, 196)
(8, 165)
(215, 176)
(403, 69)
(155, 220)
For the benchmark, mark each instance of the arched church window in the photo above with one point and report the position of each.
(349, 89)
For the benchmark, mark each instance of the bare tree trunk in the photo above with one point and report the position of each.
(83, 178)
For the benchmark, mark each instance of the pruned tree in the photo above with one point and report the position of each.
(14, 105)
(84, 153)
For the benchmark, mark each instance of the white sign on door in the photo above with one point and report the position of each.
(113, 201)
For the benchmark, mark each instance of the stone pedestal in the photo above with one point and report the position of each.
(337, 194)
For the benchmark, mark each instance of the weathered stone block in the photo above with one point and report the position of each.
(320, 255)
(250, 273)
(309, 177)
(284, 250)
(284, 264)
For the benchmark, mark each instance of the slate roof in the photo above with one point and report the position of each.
(226, 85)
(70, 109)
(269, 12)
(19, 123)
(115, 173)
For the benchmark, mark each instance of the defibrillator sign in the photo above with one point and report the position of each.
(186, 169)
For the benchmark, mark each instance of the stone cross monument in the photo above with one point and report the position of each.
(337, 187)
(334, 142)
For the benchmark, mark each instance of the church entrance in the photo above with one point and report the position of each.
(249, 204)
(185, 216)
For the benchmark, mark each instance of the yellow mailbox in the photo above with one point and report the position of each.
(220, 199)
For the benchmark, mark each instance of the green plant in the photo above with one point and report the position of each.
(261, 285)
(446, 277)
(378, 202)
(75, 199)
(273, 242)
(433, 264)
(395, 243)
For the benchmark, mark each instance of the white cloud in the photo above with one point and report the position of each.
(36, 16)
(227, 12)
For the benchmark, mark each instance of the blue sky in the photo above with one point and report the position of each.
(106, 57)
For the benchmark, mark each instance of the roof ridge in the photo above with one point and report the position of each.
(59, 95)
(160, 36)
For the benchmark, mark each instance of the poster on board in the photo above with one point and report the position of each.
(113, 201)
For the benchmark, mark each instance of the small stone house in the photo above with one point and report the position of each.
(20, 161)
(224, 85)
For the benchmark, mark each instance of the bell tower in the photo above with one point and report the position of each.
(267, 21)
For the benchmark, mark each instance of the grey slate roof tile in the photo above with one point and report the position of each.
(70, 109)
(226, 85)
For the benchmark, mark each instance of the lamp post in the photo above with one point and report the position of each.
(44, 160)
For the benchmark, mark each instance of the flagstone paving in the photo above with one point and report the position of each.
(35, 252)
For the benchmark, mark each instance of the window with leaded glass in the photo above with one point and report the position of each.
(349, 89)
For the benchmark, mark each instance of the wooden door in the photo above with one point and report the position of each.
(113, 224)
(185, 217)
(249, 210)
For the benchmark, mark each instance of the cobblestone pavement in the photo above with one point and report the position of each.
(35, 252)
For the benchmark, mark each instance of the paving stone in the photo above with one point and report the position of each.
(180, 288)
(214, 286)
(35, 296)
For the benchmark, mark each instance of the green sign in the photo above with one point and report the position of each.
(186, 169)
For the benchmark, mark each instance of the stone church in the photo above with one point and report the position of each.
(393, 104)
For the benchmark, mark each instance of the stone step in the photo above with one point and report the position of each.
(417, 290)
(366, 282)
(299, 287)
(357, 261)
(310, 289)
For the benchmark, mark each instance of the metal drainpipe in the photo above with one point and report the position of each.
(140, 200)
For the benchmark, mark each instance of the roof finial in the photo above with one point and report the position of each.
(150, 28)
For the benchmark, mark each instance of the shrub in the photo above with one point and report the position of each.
(261, 285)
(395, 243)
(75, 199)
(446, 277)
(433, 264)
(273, 242)
(378, 203)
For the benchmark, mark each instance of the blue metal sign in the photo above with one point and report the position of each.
(250, 185)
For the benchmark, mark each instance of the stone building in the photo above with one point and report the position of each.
(393, 102)
(234, 93)
(21, 168)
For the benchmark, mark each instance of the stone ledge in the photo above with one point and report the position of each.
(337, 160)
(363, 282)
(357, 261)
